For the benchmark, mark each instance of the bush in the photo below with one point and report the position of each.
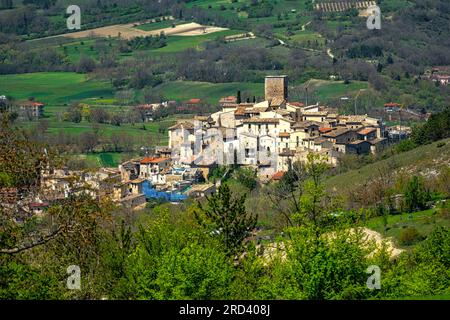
(410, 236)
(405, 145)
(444, 213)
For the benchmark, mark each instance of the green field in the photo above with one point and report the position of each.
(181, 43)
(325, 90)
(58, 89)
(54, 88)
(209, 92)
(103, 159)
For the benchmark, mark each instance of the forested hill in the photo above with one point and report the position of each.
(417, 34)
(39, 18)
(293, 37)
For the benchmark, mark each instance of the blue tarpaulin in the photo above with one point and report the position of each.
(152, 193)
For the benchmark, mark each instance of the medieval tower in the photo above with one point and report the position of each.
(276, 88)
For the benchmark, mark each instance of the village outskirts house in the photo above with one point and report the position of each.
(31, 109)
(153, 169)
(201, 190)
(193, 103)
(340, 138)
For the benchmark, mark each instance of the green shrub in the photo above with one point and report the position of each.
(410, 236)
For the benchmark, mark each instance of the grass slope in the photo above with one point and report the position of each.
(209, 92)
(181, 43)
(423, 158)
(54, 88)
(424, 221)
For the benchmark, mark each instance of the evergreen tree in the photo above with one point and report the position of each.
(225, 216)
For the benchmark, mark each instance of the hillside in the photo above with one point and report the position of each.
(426, 160)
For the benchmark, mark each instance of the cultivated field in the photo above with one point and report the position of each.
(337, 6)
(188, 29)
(131, 30)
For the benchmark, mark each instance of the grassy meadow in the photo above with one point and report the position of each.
(209, 92)
(181, 43)
(58, 89)
(54, 88)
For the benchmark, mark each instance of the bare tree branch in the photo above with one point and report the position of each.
(44, 239)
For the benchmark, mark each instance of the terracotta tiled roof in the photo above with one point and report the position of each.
(39, 204)
(194, 100)
(325, 130)
(337, 133)
(365, 131)
(229, 99)
(240, 111)
(277, 176)
(319, 140)
(31, 104)
(137, 181)
(149, 160)
(296, 104)
(261, 120)
(392, 104)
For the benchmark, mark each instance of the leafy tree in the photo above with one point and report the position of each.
(246, 177)
(329, 267)
(312, 208)
(74, 113)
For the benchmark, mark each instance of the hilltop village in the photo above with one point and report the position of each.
(270, 135)
(265, 136)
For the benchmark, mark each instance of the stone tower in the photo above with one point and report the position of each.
(276, 88)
